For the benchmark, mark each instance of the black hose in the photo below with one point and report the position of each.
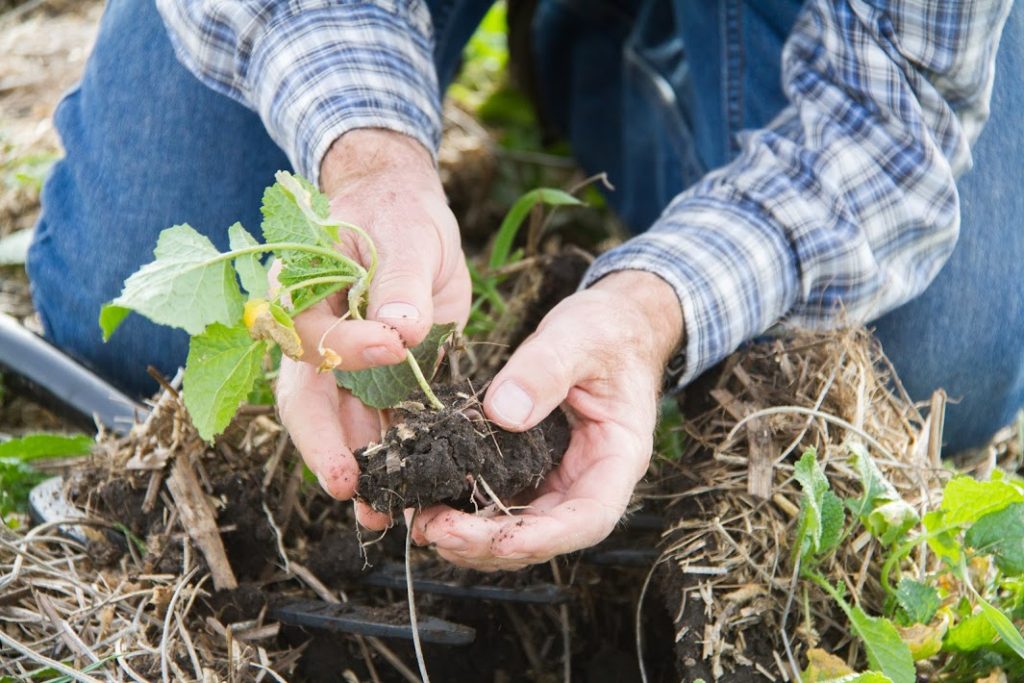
(32, 366)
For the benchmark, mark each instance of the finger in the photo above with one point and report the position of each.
(359, 344)
(536, 379)
(401, 294)
(370, 518)
(308, 404)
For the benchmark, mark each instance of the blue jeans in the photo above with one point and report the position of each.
(652, 93)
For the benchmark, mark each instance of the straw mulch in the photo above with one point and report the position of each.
(728, 556)
(73, 602)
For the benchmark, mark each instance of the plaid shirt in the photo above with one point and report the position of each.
(844, 207)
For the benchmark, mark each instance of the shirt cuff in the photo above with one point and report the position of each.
(729, 265)
(316, 74)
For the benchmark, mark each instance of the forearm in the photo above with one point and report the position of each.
(846, 205)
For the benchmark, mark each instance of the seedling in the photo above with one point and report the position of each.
(962, 606)
(192, 286)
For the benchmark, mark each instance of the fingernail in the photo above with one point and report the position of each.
(398, 310)
(511, 404)
(380, 355)
(323, 483)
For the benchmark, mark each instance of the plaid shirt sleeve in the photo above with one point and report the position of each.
(845, 206)
(314, 69)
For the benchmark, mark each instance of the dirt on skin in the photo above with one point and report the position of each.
(456, 457)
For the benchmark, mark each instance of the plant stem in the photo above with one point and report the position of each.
(422, 381)
(290, 246)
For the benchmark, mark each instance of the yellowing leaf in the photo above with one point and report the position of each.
(823, 666)
(266, 320)
(925, 640)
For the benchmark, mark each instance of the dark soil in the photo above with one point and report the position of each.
(448, 456)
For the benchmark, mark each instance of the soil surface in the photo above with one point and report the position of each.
(457, 457)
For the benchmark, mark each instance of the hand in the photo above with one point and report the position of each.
(600, 354)
(385, 183)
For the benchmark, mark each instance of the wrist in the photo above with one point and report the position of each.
(367, 152)
(657, 307)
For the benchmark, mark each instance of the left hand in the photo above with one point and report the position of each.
(600, 354)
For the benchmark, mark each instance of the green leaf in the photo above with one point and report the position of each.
(974, 633)
(966, 500)
(942, 542)
(814, 484)
(222, 366)
(882, 510)
(299, 268)
(833, 516)
(518, 213)
(189, 285)
(35, 446)
(1003, 626)
(885, 649)
(1001, 534)
(387, 386)
(285, 221)
(111, 317)
(919, 600)
(251, 271)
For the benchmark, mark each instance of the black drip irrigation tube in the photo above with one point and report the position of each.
(31, 366)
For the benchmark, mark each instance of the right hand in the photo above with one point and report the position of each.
(385, 183)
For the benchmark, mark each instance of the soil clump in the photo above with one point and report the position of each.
(456, 457)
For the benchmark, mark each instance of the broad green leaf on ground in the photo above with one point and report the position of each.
(518, 213)
(36, 446)
(387, 386)
(251, 270)
(814, 484)
(188, 285)
(1006, 629)
(285, 221)
(1001, 534)
(942, 541)
(17, 476)
(222, 366)
(885, 649)
(966, 500)
(919, 600)
(971, 634)
(881, 508)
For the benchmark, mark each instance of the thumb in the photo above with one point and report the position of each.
(401, 295)
(535, 381)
